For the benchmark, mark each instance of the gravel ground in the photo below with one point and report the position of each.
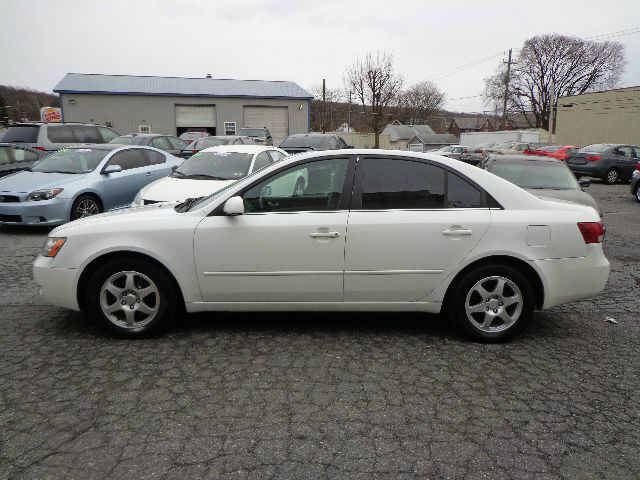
(303, 397)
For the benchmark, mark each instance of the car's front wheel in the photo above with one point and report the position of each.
(492, 303)
(132, 297)
(85, 206)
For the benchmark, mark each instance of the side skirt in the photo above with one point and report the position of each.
(429, 307)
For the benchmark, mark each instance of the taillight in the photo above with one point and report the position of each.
(194, 151)
(592, 158)
(638, 166)
(592, 232)
(477, 150)
(42, 149)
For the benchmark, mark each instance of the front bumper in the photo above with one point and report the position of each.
(571, 279)
(58, 286)
(43, 213)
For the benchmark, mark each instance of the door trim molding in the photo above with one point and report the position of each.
(283, 273)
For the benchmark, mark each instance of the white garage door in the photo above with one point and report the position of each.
(276, 119)
(195, 116)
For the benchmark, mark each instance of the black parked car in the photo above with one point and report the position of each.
(16, 157)
(166, 143)
(214, 141)
(306, 142)
(609, 162)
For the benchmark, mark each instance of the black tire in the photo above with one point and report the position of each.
(612, 176)
(144, 274)
(497, 330)
(637, 192)
(87, 204)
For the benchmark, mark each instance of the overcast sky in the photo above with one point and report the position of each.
(298, 40)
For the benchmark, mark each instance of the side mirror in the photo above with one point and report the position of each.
(584, 182)
(234, 206)
(111, 169)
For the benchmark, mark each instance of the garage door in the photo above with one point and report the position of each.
(276, 119)
(195, 116)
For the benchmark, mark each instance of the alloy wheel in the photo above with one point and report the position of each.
(129, 299)
(86, 208)
(494, 304)
(612, 176)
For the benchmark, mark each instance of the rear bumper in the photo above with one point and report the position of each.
(588, 169)
(44, 213)
(570, 279)
(58, 286)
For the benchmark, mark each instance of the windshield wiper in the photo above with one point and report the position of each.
(187, 204)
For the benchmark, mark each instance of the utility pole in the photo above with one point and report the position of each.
(551, 112)
(349, 115)
(506, 93)
(324, 101)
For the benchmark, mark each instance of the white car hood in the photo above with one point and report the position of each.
(171, 189)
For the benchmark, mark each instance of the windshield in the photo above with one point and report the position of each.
(252, 132)
(596, 148)
(125, 140)
(304, 141)
(71, 160)
(215, 166)
(207, 142)
(504, 146)
(21, 134)
(535, 174)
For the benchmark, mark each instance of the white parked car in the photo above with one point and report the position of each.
(371, 230)
(208, 171)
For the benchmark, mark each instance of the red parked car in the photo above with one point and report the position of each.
(556, 151)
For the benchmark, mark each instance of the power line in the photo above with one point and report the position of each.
(619, 33)
(461, 68)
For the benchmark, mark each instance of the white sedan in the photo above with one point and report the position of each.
(371, 230)
(208, 171)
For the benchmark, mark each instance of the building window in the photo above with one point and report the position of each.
(144, 128)
(229, 128)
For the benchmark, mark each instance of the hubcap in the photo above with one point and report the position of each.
(612, 176)
(86, 208)
(129, 299)
(493, 304)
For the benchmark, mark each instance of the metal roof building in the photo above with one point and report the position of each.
(174, 105)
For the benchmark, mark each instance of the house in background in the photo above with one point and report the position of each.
(520, 121)
(458, 125)
(399, 134)
(433, 141)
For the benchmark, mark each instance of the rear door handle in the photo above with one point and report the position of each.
(324, 234)
(456, 233)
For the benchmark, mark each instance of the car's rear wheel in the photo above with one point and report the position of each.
(638, 192)
(612, 176)
(492, 303)
(85, 206)
(132, 297)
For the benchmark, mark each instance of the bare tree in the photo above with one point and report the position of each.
(574, 65)
(376, 85)
(419, 102)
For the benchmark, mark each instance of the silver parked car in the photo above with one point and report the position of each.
(50, 137)
(80, 181)
(544, 177)
(166, 143)
(459, 152)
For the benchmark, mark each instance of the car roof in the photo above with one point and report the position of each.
(145, 135)
(38, 124)
(102, 146)
(520, 158)
(252, 149)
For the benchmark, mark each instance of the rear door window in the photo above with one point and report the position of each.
(161, 143)
(461, 194)
(60, 134)
(262, 160)
(128, 159)
(21, 134)
(86, 134)
(154, 158)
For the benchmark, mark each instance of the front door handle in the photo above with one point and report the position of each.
(456, 233)
(324, 234)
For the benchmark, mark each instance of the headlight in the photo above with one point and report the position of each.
(52, 246)
(47, 194)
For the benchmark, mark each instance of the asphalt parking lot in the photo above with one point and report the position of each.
(324, 396)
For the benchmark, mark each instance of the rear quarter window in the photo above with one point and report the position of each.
(21, 134)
